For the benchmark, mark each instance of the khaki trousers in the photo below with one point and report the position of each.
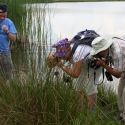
(121, 95)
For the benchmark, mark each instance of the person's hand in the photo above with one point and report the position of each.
(5, 28)
(91, 57)
(100, 62)
(51, 60)
(59, 64)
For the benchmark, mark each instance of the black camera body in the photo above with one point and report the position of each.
(108, 76)
(92, 63)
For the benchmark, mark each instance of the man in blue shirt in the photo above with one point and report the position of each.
(7, 33)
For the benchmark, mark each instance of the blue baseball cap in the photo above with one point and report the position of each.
(3, 7)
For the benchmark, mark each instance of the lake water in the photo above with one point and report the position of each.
(65, 19)
(106, 18)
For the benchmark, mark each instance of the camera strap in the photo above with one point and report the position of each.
(107, 74)
(103, 74)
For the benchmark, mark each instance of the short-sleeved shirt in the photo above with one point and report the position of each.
(83, 81)
(4, 40)
(117, 51)
(81, 53)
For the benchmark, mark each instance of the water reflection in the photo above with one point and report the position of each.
(107, 18)
(66, 19)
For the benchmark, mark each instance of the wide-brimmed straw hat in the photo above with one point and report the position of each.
(61, 47)
(99, 44)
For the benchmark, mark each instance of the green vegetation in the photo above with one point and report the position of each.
(26, 101)
(36, 96)
(85, 0)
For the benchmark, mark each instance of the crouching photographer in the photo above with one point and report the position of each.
(78, 70)
(114, 47)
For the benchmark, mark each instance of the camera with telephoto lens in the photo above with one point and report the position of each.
(92, 62)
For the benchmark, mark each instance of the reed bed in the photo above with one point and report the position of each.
(85, 0)
(35, 95)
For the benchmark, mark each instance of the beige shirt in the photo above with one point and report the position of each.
(118, 52)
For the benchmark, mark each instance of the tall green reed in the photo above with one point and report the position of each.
(32, 97)
(35, 96)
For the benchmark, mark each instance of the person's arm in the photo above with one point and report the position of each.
(108, 68)
(75, 71)
(11, 36)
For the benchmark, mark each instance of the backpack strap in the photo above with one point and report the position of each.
(118, 38)
(108, 75)
(73, 49)
(75, 46)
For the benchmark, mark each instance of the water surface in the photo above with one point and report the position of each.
(106, 18)
(65, 19)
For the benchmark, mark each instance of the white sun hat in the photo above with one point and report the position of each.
(99, 44)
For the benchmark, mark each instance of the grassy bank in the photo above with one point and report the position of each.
(35, 96)
(85, 0)
(26, 101)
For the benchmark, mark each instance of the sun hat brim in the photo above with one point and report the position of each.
(99, 44)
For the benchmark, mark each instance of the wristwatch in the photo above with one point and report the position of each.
(7, 32)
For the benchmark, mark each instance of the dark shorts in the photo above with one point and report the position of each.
(6, 65)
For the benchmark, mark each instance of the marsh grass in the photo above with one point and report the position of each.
(35, 96)
(84, 0)
(44, 101)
